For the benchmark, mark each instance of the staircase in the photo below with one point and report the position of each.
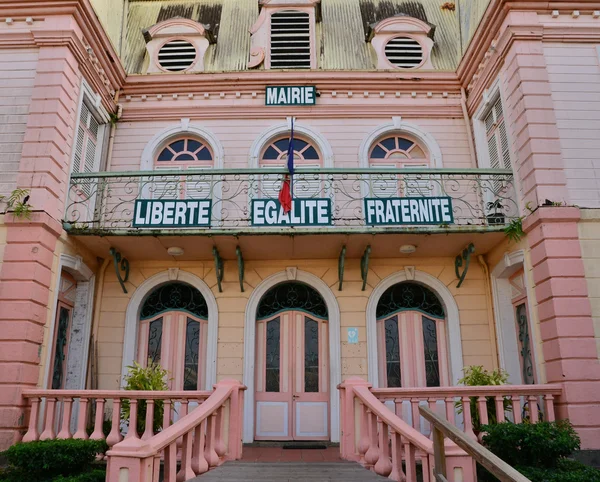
(289, 472)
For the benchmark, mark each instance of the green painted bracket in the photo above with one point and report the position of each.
(121, 264)
(364, 267)
(341, 266)
(240, 260)
(464, 259)
(218, 268)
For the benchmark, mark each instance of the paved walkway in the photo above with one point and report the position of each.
(289, 472)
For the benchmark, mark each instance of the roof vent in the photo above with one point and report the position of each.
(404, 52)
(290, 40)
(177, 55)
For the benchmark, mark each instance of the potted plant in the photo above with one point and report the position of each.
(495, 216)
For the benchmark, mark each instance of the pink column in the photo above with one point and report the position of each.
(565, 317)
(26, 276)
(350, 440)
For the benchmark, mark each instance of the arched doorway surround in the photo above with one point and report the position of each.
(335, 369)
(452, 320)
(132, 319)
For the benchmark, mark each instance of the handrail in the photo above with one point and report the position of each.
(128, 394)
(280, 170)
(391, 419)
(462, 391)
(443, 428)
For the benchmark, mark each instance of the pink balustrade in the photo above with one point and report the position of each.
(200, 429)
(383, 430)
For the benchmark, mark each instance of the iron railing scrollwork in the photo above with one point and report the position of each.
(104, 202)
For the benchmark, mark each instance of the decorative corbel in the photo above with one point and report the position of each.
(464, 259)
(341, 266)
(121, 264)
(364, 267)
(240, 260)
(218, 268)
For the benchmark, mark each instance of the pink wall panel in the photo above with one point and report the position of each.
(574, 75)
(17, 78)
(237, 137)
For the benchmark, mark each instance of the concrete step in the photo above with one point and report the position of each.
(289, 472)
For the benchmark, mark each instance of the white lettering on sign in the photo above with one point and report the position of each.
(304, 212)
(415, 211)
(166, 214)
(299, 95)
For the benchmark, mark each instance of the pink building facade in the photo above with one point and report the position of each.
(151, 138)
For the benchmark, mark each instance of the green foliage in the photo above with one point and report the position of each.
(17, 202)
(97, 475)
(566, 471)
(152, 378)
(94, 475)
(45, 460)
(477, 376)
(514, 231)
(539, 445)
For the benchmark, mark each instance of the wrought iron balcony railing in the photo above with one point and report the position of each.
(109, 202)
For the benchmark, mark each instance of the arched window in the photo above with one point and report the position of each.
(306, 155)
(181, 154)
(398, 151)
(411, 338)
(173, 331)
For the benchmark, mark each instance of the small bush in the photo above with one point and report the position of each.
(51, 458)
(97, 475)
(565, 471)
(541, 445)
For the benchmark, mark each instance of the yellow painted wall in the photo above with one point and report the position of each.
(589, 235)
(478, 343)
(110, 13)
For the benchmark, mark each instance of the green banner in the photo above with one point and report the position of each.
(416, 211)
(162, 213)
(297, 95)
(305, 212)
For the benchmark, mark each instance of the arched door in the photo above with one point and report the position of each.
(292, 365)
(411, 338)
(172, 333)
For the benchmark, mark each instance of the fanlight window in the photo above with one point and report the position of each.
(411, 334)
(305, 155)
(181, 154)
(173, 332)
(399, 152)
(291, 296)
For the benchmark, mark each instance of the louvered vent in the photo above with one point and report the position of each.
(290, 40)
(404, 52)
(177, 55)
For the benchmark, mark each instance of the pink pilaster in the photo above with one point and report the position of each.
(26, 276)
(565, 317)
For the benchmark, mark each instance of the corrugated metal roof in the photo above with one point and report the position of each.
(341, 34)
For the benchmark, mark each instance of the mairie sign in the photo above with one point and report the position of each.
(299, 95)
(305, 212)
(189, 213)
(415, 211)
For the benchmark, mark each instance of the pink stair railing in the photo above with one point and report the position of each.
(381, 441)
(201, 437)
(514, 403)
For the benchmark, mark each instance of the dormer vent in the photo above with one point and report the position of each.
(177, 55)
(290, 40)
(404, 52)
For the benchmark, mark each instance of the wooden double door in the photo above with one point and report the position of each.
(292, 377)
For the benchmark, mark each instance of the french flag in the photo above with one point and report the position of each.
(285, 194)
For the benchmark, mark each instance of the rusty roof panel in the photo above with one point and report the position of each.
(341, 33)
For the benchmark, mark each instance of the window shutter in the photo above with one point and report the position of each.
(270, 185)
(416, 186)
(504, 145)
(308, 185)
(78, 149)
(198, 189)
(290, 40)
(164, 189)
(384, 185)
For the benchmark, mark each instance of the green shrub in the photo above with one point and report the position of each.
(12, 475)
(541, 445)
(477, 376)
(151, 378)
(97, 475)
(565, 471)
(46, 459)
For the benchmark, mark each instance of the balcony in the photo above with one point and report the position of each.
(329, 203)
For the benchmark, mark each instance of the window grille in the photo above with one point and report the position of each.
(290, 40)
(404, 52)
(177, 55)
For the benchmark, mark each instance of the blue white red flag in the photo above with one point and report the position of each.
(286, 192)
